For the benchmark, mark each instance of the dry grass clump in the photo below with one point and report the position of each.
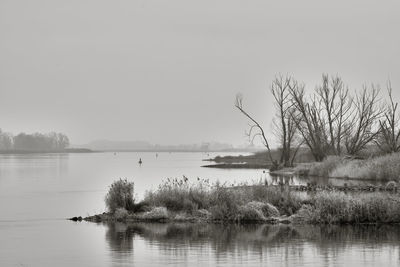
(250, 213)
(386, 168)
(223, 202)
(303, 169)
(287, 202)
(338, 208)
(156, 214)
(325, 167)
(121, 214)
(257, 211)
(180, 194)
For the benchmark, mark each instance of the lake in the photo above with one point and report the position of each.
(38, 191)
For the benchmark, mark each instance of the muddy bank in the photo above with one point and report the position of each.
(390, 187)
(107, 217)
(252, 212)
(258, 160)
(238, 166)
(255, 161)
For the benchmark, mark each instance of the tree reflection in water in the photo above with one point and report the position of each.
(287, 242)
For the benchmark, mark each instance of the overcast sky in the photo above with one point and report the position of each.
(168, 71)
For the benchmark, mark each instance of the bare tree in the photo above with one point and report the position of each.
(336, 104)
(329, 121)
(309, 121)
(363, 126)
(285, 128)
(389, 138)
(255, 129)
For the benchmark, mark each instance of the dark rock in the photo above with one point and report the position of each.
(76, 219)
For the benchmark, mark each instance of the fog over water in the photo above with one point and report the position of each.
(162, 76)
(167, 71)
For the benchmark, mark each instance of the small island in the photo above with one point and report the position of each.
(182, 201)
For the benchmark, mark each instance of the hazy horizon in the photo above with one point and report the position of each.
(167, 72)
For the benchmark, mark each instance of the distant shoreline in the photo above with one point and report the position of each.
(87, 150)
(68, 150)
(173, 150)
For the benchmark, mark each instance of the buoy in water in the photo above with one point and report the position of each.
(140, 161)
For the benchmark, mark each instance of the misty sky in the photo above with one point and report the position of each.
(168, 71)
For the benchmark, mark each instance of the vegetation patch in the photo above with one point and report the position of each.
(339, 208)
(325, 167)
(256, 212)
(255, 203)
(156, 214)
(386, 168)
(120, 195)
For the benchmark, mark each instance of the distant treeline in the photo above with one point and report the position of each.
(33, 142)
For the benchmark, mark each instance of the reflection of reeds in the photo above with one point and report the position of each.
(119, 237)
(239, 239)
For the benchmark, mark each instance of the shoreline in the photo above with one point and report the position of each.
(175, 217)
(63, 151)
(237, 166)
(384, 168)
(295, 219)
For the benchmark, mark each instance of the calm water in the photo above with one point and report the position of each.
(38, 191)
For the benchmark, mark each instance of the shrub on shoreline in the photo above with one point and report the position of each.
(120, 195)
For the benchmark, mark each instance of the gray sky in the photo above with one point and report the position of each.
(168, 71)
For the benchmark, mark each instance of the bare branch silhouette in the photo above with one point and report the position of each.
(389, 138)
(253, 127)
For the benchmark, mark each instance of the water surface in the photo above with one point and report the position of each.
(48, 186)
(63, 243)
(37, 193)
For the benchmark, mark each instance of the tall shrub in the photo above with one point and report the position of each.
(120, 195)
